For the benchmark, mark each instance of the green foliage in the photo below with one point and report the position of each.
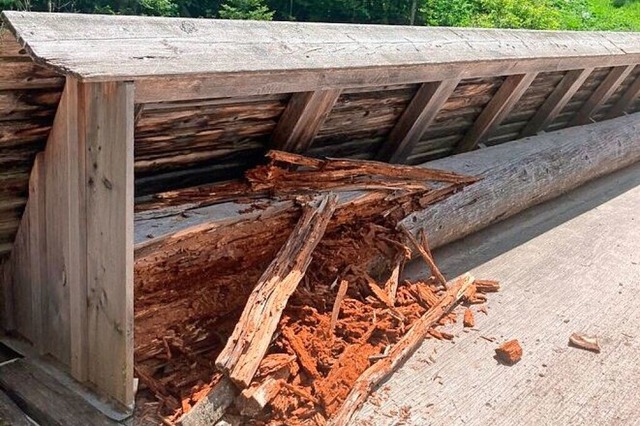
(617, 15)
(533, 14)
(245, 9)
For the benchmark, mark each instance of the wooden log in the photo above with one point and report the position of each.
(251, 337)
(496, 110)
(604, 91)
(379, 371)
(524, 173)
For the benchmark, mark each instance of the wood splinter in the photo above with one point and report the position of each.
(342, 291)
(583, 341)
(248, 344)
(425, 255)
(379, 371)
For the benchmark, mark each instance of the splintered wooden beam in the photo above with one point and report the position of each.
(420, 113)
(379, 371)
(248, 344)
(302, 119)
(601, 94)
(496, 110)
(630, 95)
(557, 100)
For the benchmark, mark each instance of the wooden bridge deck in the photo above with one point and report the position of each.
(570, 265)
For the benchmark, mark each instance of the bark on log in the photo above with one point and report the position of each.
(524, 173)
(252, 335)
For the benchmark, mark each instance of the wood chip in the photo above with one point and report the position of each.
(487, 286)
(583, 341)
(509, 352)
(468, 320)
(379, 371)
(425, 256)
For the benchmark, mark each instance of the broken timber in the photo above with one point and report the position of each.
(375, 374)
(252, 335)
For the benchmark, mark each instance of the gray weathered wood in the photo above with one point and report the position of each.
(189, 58)
(106, 132)
(302, 119)
(45, 399)
(211, 408)
(629, 96)
(608, 86)
(10, 414)
(523, 173)
(556, 101)
(496, 110)
(27, 265)
(419, 114)
(64, 255)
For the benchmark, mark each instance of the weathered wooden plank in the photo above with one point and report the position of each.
(601, 94)
(496, 110)
(45, 399)
(10, 414)
(106, 117)
(420, 113)
(626, 100)
(160, 47)
(62, 249)
(173, 88)
(27, 265)
(302, 120)
(555, 103)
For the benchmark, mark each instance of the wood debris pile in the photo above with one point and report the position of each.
(329, 317)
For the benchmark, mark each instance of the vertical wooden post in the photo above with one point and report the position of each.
(418, 115)
(73, 258)
(106, 126)
(496, 110)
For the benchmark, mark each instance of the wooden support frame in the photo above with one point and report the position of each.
(418, 115)
(302, 119)
(106, 127)
(604, 91)
(630, 95)
(557, 100)
(496, 110)
(73, 259)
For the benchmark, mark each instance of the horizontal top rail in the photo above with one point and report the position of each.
(97, 47)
